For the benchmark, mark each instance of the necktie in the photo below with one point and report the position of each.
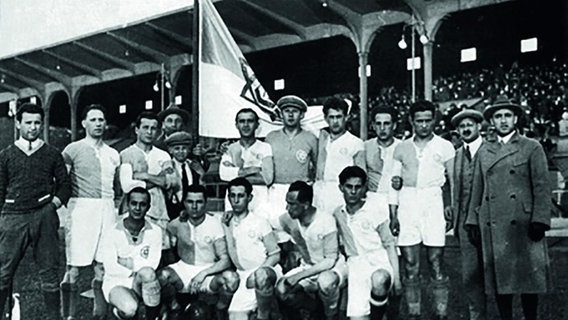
(30, 146)
(184, 180)
(467, 153)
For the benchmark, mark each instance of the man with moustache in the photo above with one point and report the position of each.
(204, 262)
(33, 184)
(131, 252)
(92, 166)
(509, 212)
(468, 124)
(337, 149)
(418, 215)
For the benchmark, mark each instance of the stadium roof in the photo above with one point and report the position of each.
(53, 45)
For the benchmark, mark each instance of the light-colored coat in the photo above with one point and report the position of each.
(510, 189)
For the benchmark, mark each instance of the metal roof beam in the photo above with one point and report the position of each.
(57, 76)
(184, 42)
(157, 56)
(37, 85)
(9, 87)
(121, 63)
(85, 68)
(296, 27)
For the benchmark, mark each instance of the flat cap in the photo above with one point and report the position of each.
(179, 138)
(292, 101)
(502, 102)
(466, 113)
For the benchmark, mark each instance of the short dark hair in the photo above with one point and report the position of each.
(352, 172)
(421, 106)
(29, 108)
(384, 109)
(196, 188)
(335, 103)
(147, 115)
(139, 190)
(95, 106)
(305, 191)
(240, 182)
(246, 110)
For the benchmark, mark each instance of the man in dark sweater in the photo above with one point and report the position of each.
(33, 184)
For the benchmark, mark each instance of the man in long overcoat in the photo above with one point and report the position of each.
(509, 212)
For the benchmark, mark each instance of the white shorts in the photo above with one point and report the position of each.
(327, 196)
(277, 206)
(244, 299)
(259, 197)
(421, 217)
(310, 284)
(359, 284)
(111, 282)
(186, 272)
(87, 221)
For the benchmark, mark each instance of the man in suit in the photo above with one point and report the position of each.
(468, 124)
(509, 212)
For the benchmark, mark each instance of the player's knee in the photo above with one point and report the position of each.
(264, 278)
(231, 281)
(146, 274)
(164, 275)
(71, 275)
(380, 283)
(99, 271)
(412, 269)
(434, 256)
(328, 282)
(128, 308)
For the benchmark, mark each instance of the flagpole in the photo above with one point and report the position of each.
(195, 71)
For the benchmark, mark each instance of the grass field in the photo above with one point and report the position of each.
(553, 306)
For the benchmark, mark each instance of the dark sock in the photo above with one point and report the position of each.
(530, 305)
(505, 306)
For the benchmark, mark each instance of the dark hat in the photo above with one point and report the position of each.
(292, 101)
(179, 138)
(502, 102)
(466, 113)
(174, 109)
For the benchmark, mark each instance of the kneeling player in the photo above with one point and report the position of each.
(131, 253)
(253, 249)
(322, 269)
(201, 245)
(370, 248)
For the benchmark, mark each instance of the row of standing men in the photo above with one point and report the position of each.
(400, 194)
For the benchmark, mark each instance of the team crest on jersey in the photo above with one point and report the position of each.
(343, 151)
(366, 225)
(437, 158)
(320, 236)
(207, 239)
(252, 234)
(145, 252)
(301, 156)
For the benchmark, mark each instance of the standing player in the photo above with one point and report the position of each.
(418, 215)
(379, 157)
(92, 166)
(509, 213)
(204, 264)
(249, 158)
(370, 248)
(468, 124)
(254, 251)
(33, 184)
(294, 151)
(337, 149)
(142, 165)
(131, 253)
(322, 270)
